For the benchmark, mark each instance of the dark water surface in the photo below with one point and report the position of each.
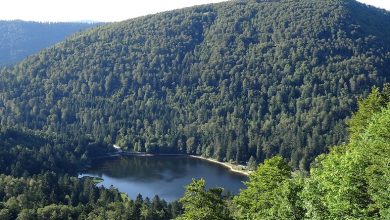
(165, 176)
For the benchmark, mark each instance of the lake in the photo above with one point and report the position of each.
(165, 176)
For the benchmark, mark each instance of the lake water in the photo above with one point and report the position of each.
(165, 176)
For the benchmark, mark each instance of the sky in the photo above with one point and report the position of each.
(102, 10)
(95, 10)
(385, 4)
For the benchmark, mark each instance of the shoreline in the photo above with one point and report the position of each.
(231, 167)
(142, 154)
(137, 154)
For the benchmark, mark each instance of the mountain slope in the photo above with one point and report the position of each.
(229, 80)
(19, 39)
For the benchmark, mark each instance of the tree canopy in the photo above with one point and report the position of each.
(200, 203)
(231, 81)
(350, 182)
(237, 81)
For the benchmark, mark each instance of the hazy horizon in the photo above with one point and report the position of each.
(87, 10)
(102, 10)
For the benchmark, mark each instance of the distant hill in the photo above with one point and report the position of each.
(233, 80)
(19, 39)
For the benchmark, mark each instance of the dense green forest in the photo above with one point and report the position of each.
(19, 39)
(229, 80)
(38, 180)
(233, 81)
(351, 182)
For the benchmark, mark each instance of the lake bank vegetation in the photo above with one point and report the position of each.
(349, 182)
(39, 180)
(264, 82)
(229, 81)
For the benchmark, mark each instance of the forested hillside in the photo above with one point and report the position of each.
(38, 181)
(351, 182)
(19, 39)
(229, 81)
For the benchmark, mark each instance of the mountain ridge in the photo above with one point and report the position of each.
(20, 39)
(231, 81)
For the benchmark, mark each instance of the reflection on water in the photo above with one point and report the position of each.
(165, 176)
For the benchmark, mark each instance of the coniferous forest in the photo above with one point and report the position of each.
(228, 81)
(351, 182)
(275, 81)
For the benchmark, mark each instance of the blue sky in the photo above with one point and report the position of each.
(102, 10)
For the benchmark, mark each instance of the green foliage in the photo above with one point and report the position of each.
(271, 193)
(376, 148)
(234, 81)
(202, 204)
(56, 212)
(37, 182)
(230, 80)
(252, 163)
(350, 182)
(367, 107)
(24, 152)
(336, 188)
(353, 180)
